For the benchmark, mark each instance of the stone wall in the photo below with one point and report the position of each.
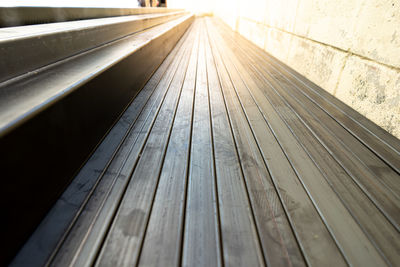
(351, 48)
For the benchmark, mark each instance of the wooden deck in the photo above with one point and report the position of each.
(229, 158)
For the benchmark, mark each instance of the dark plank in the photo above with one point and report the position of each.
(240, 239)
(88, 232)
(162, 242)
(61, 218)
(201, 244)
(278, 242)
(315, 241)
(76, 108)
(124, 240)
(339, 221)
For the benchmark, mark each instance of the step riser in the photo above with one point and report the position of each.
(41, 156)
(26, 54)
(18, 16)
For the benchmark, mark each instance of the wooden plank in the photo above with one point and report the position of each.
(385, 145)
(201, 243)
(57, 41)
(81, 101)
(373, 165)
(378, 229)
(325, 129)
(373, 184)
(25, 15)
(240, 239)
(315, 241)
(339, 221)
(124, 240)
(88, 232)
(377, 179)
(369, 139)
(279, 244)
(42, 244)
(162, 242)
(381, 142)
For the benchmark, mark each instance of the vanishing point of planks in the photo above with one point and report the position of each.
(230, 158)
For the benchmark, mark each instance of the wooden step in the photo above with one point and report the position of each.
(26, 49)
(52, 118)
(19, 16)
(223, 159)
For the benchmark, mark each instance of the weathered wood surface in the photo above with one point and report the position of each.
(234, 159)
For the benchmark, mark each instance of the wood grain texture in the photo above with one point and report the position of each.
(63, 215)
(201, 243)
(123, 242)
(229, 158)
(87, 233)
(279, 244)
(378, 228)
(378, 140)
(342, 226)
(297, 203)
(162, 242)
(240, 238)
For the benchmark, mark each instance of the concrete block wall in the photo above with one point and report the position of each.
(351, 48)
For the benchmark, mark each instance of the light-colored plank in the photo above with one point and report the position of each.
(376, 178)
(279, 244)
(317, 245)
(384, 235)
(378, 140)
(339, 221)
(371, 135)
(378, 229)
(201, 244)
